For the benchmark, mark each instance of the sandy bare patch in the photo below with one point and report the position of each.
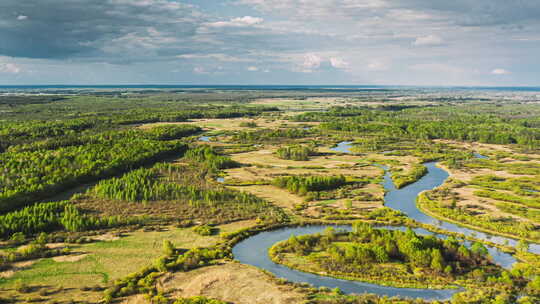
(16, 267)
(56, 245)
(231, 282)
(136, 299)
(106, 237)
(70, 258)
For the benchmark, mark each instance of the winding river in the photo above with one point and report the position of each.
(254, 250)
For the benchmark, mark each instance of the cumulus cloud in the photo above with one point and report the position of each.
(500, 72)
(348, 38)
(10, 68)
(311, 62)
(238, 22)
(215, 56)
(338, 63)
(429, 40)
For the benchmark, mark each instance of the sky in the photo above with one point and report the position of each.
(349, 42)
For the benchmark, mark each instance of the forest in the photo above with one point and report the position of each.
(298, 152)
(119, 195)
(304, 184)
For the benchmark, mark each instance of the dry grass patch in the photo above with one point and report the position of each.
(231, 282)
(102, 262)
(279, 197)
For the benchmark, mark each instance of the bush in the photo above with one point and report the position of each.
(204, 230)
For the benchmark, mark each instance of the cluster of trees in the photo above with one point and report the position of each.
(518, 168)
(30, 175)
(204, 230)
(269, 135)
(248, 124)
(144, 185)
(296, 152)
(13, 133)
(502, 126)
(207, 156)
(173, 115)
(432, 202)
(171, 132)
(304, 184)
(415, 173)
(524, 186)
(47, 217)
(528, 201)
(366, 245)
(530, 213)
(26, 131)
(188, 192)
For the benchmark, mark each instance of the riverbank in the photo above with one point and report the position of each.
(423, 206)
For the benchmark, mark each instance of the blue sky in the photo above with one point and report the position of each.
(401, 42)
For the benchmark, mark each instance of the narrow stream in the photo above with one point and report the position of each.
(254, 250)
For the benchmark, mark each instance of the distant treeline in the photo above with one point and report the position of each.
(25, 131)
(489, 124)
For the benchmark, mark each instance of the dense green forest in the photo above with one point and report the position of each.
(47, 217)
(31, 175)
(304, 184)
(269, 135)
(297, 152)
(497, 125)
(366, 245)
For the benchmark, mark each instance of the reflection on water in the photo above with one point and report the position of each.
(343, 147)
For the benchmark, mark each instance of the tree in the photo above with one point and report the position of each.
(522, 246)
(168, 248)
(479, 249)
(437, 260)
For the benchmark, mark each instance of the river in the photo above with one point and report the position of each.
(254, 250)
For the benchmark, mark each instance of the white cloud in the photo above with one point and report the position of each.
(22, 17)
(148, 39)
(500, 72)
(216, 56)
(238, 22)
(429, 40)
(311, 61)
(10, 68)
(253, 69)
(338, 63)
